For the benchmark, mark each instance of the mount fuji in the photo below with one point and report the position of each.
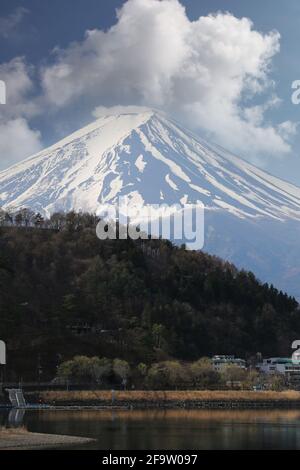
(251, 217)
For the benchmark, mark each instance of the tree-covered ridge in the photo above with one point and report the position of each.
(64, 292)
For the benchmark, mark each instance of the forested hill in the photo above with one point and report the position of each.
(65, 292)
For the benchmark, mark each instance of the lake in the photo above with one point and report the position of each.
(173, 429)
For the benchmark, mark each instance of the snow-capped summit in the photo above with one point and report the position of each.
(151, 159)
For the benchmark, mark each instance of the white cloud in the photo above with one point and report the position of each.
(100, 111)
(203, 71)
(19, 88)
(17, 141)
(288, 129)
(9, 23)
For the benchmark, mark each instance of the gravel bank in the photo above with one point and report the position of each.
(29, 440)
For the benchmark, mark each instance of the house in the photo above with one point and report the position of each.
(287, 366)
(221, 362)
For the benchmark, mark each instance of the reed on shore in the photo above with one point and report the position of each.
(167, 396)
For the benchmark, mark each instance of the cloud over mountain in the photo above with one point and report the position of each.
(206, 71)
(213, 73)
(17, 138)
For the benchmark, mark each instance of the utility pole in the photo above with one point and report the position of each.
(39, 369)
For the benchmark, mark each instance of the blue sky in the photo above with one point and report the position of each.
(43, 105)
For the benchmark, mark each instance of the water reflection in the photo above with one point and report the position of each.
(174, 429)
(13, 418)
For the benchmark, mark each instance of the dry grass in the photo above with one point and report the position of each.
(6, 432)
(137, 414)
(136, 396)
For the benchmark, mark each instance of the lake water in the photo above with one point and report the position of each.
(173, 429)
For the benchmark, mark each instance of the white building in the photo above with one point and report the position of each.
(278, 364)
(282, 365)
(221, 362)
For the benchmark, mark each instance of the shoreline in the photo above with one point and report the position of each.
(145, 399)
(12, 439)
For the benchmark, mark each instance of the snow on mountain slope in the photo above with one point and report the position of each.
(251, 217)
(150, 159)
